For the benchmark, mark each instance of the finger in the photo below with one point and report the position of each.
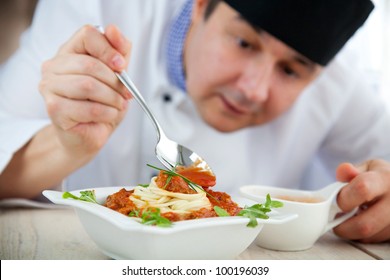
(118, 41)
(381, 236)
(84, 88)
(345, 172)
(365, 187)
(364, 227)
(88, 40)
(67, 113)
(84, 65)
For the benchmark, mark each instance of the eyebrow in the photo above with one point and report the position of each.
(297, 56)
(305, 61)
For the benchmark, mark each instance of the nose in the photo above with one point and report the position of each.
(255, 80)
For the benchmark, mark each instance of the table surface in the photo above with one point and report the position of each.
(57, 234)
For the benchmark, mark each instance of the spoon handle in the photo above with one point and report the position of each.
(126, 81)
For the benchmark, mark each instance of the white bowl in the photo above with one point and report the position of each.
(316, 215)
(122, 237)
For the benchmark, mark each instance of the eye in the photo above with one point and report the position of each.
(290, 72)
(242, 43)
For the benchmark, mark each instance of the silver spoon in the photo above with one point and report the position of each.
(170, 153)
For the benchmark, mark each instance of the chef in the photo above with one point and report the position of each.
(267, 92)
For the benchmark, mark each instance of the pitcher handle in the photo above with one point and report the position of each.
(339, 220)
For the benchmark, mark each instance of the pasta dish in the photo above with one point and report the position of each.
(176, 195)
(182, 194)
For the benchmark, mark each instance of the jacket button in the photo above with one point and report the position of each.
(167, 97)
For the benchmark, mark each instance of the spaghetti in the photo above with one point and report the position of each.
(168, 201)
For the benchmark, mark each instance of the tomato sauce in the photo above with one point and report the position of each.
(120, 201)
(173, 183)
(198, 175)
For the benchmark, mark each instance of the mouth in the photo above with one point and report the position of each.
(231, 107)
(237, 104)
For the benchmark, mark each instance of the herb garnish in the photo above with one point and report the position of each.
(151, 216)
(88, 196)
(221, 212)
(253, 212)
(259, 211)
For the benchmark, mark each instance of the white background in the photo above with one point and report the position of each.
(372, 42)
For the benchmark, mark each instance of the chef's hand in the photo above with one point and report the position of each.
(84, 98)
(368, 189)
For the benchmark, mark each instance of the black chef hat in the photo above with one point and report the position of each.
(318, 29)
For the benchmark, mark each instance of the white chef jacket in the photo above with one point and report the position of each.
(337, 118)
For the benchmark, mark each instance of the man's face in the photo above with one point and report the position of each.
(238, 76)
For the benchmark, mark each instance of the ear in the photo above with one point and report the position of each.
(198, 9)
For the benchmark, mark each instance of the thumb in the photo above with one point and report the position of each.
(345, 172)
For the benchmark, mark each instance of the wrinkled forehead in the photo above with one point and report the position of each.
(317, 29)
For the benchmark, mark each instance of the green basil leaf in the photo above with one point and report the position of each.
(153, 217)
(259, 211)
(88, 196)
